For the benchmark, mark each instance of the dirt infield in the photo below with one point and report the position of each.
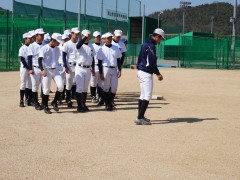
(195, 132)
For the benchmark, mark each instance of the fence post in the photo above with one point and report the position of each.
(7, 51)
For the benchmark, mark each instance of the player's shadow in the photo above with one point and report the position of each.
(182, 120)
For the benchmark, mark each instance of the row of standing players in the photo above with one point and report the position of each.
(71, 62)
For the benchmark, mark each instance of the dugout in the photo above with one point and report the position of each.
(135, 28)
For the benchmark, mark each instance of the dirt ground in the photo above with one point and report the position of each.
(195, 132)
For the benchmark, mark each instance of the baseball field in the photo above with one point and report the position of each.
(195, 132)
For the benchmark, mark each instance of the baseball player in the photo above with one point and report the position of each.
(103, 39)
(95, 80)
(25, 81)
(34, 70)
(67, 32)
(117, 41)
(65, 38)
(147, 66)
(69, 60)
(48, 63)
(46, 39)
(109, 64)
(84, 68)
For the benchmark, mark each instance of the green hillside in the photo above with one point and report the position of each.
(199, 18)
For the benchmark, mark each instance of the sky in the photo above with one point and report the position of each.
(150, 5)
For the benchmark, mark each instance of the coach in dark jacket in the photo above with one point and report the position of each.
(147, 66)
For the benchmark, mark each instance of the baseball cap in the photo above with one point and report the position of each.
(39, 31)
(103, 36)
(118, 33)
(108, 34)
(57, 37)
(75, 30)
(86, 32)
(67, 32)
(65, 36)
(27, 35)
(96, 34)
(32, 33)
(47, 37)
(159, 32)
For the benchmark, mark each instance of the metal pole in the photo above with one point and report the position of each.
(41, 16)
(234, 18)
(116, 10)
(85, 8)
(159, 18)
(128, 8)
(143, 23)
(183, 21)
(102, 10)
(79, 13)
(65, 14)
(234, 29)
(212, 18)
(140, 8)
(7, 51)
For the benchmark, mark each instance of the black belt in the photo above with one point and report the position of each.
(110, 66)
(84, 66)
(36, 66)
(51, 68)
(71, 63)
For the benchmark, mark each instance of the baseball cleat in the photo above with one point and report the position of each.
(38, 106)
(94, 99)
(47, 110)
(55, 106)
(142, 122)
(21, 103)
(69, 104)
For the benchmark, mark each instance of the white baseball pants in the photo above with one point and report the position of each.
(46, 81)
(36, 78)
(82, 76)
(110, 80)
(25, 80)
(146, 85)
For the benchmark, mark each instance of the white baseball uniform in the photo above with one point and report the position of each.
(84, 60)
(25, 80)
(61, 67)
(109, 56)
(50, 57)
(33, 50)
(70, 49)
(96, 79)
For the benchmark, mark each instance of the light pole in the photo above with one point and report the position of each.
(159, 17)
(184, 5)
(233, 21)
(140, 7)
(212, 19)
(79, 13)
(143, 23)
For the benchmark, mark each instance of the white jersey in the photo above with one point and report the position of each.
(96, 49)
(70, 48)
(23, 52)
(108, 55)
(85, 55)
(33, 50)
(50, 56)
(121, 46)
(60, 60)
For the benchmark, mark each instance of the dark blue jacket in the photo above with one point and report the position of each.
(147, 59)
